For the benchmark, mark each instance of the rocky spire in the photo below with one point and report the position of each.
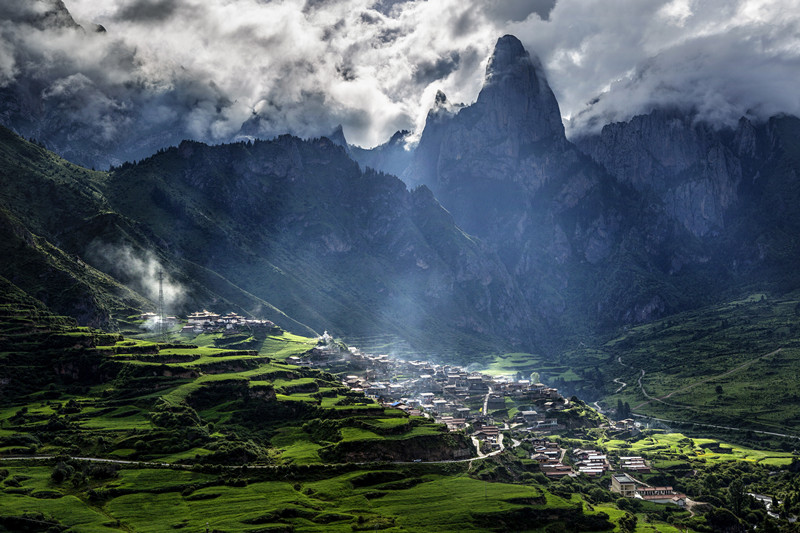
(337, 137)
(516, 95)
(41, 14)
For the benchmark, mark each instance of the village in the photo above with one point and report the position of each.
(485, 406)
(207, 322)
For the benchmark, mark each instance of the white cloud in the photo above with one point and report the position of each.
(676, 12)
(203, 68)
(724, 59)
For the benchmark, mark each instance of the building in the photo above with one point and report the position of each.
(623, 485)
(660, 495)
(634, 464)
(495, 402)
(488, 432)
(556, 470)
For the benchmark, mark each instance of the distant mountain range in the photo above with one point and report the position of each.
(503, 234)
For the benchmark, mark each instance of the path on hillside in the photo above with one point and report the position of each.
(486, 402)
(618, 381)
(693, 423)
(481, 455)
(475, 441)
(514, 444)
(691, 386)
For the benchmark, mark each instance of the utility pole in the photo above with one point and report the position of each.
(161, 328)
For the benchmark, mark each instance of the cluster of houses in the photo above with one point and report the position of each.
(624, 425)
(207, 322)
(449, 393)
(461, 399)
(591, 463)
(628, 487)
(550, 458)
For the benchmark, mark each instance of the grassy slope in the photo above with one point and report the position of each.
(168, 412)
(42, 199)
(732, 364)
(57, 228)
(157, 412)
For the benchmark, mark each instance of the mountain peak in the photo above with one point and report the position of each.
(41, 14)
(517, 94)
(337, 137)
(508, 54)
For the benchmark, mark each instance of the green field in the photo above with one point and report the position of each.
(709, 450)
(185, 437)
(409, 499)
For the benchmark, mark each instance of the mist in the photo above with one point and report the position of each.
(139, 270)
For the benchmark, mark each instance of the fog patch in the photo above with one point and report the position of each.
(138, 269)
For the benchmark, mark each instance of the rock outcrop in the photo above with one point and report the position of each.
(688, 166)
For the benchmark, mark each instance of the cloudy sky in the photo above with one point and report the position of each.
(304, 66)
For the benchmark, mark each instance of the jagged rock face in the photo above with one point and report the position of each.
(40, 14)
(392, 157)
(660, 206)
(504, 136)
(518, 106)
(688, 166)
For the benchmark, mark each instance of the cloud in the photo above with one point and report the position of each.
(722, 59)
(429, 71)
(138, 269)
(171, 69)
(147, 10)
(504, 11)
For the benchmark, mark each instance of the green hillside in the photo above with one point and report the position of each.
(182, 436)
(288, 230)
(732, 365)
(99, 432)
(55, 223)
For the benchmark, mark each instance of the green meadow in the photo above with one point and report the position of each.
(732, 365)
(197, 436)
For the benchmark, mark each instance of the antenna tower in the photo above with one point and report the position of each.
(160, 328)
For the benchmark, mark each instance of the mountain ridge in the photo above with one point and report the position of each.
(659, 199)
(543, 240)
(289, 221)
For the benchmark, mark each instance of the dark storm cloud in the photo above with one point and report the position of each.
(429, 71)
(147, 10)
(464, 24)
(518, 10)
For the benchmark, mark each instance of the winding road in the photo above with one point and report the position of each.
(618, 381)
(718, 427)
(476, 442)
(695, 384)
